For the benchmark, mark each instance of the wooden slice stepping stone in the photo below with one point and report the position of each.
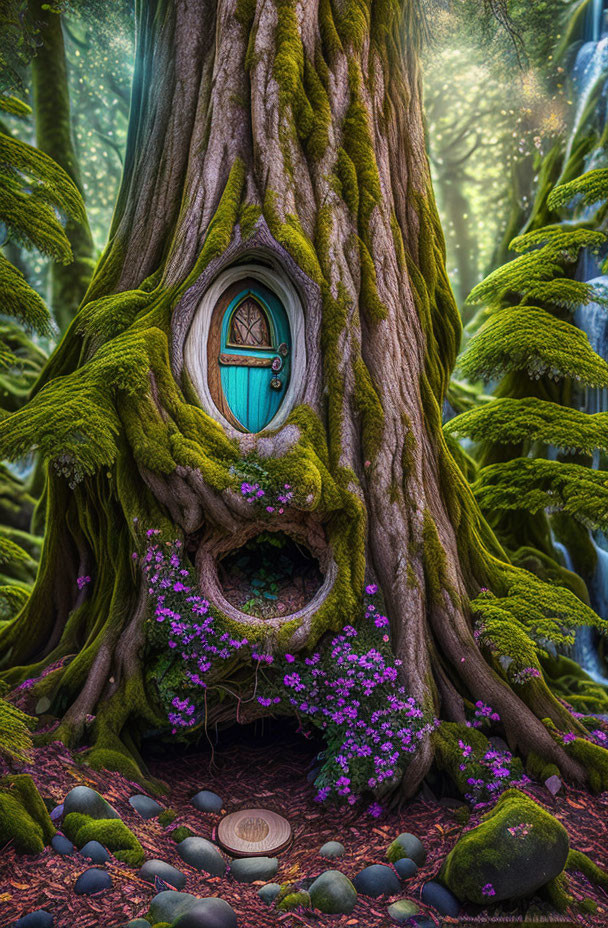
(254, 833)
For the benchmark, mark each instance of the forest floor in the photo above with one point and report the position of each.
(254, 771)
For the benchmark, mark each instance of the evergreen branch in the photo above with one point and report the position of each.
(529, 274)
(535, 484)
(32, 221)
(511, 421)
(59, 189)
(591, 188)
(14, 106)
(19, 300)
(527, 338)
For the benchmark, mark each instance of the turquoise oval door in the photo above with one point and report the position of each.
(255, 356)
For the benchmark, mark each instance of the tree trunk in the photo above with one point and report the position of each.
(290, 137)
(54, 136)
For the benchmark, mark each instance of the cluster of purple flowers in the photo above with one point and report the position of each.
(526, 674)
(495, 771)
(350, 690)
(276, 502)
(82, 582)
(186, 625)
(482, 715)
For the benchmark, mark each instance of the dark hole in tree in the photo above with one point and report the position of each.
(272, 575)
(262, 735)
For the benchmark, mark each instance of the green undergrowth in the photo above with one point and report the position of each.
(15, 733)
(112, 833)
(24, 819)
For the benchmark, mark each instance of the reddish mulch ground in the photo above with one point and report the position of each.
(274, 776)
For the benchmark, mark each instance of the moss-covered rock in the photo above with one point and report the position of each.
(24, 819)
(112, 833)
(295, 900)
(516, 849)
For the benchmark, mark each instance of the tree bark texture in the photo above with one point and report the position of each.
(289, 133)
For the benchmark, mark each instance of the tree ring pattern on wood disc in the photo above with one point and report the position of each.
(254, 833)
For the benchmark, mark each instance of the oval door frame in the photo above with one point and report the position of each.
(197, 346)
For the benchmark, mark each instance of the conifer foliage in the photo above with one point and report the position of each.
(530, 331)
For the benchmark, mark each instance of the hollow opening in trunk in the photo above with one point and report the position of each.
(272, 575)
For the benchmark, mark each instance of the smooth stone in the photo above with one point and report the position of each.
(158, 870)
(206, 801)
(56, 813)
(146, 807)
(333, 893)
(95, 852)
(249, 869)
(332, 849)
(92, 881)
(62, 845)
(202, 854)
(88, 802)
(269, 892)
(422, 921)
(407, 845)
(209, 913)
(38, 919)
(377, 880)
(402, 910)
(406, 868)
(43, 705)
(440, 897)
(169, 905)
(138, 923)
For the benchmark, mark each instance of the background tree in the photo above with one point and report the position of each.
(294, 134)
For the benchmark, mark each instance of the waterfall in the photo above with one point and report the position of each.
(590, 68)
(597, 14)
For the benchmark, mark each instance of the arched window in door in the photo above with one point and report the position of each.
(249, 326)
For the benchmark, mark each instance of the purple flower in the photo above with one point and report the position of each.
(488, 890)
(82, 582)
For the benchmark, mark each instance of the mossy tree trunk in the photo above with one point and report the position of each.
(54, 136)
(294, 132)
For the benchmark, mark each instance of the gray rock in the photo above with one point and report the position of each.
(138, 923)
(440, 897)
(332, 849)
(146, 807)
(333, 893)
(38, 919)
(269, 892)
(95, 852)
(88, 802)
(169, 905)
(202, 855)
(407, 845)
(43, 705)
(158, 871)
(56, 813)
(249, 869)
(402, 910)
(92, 881)
(206, 801)
(208, 913)
(377, 880)
(62, 845)
(406, 868)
